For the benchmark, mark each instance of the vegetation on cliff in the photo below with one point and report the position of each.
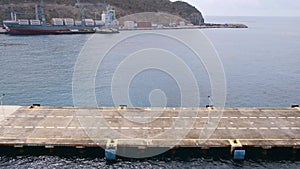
(94, 8)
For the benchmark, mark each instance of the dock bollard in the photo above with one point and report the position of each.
(35, 105)
(238, 154)
(111, 150)
(123, 107)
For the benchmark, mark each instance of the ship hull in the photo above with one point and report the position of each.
(17, 29)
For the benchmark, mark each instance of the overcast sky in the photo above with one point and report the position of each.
(247, 7)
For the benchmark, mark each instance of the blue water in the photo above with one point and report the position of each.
(261, 66)
(38, 69)
(261, 63)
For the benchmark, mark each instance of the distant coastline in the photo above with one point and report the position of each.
(204, 26)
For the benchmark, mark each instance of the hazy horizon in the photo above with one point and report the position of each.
(247, 7)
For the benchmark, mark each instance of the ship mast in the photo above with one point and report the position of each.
(43, 13)
(36, 12)
(82, 10)
(83, 15)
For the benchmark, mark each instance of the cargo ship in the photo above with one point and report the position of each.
(58, 25)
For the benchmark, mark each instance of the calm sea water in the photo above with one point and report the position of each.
(261, 66)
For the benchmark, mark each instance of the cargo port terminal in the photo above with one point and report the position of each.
(107, 24)
(237, 132)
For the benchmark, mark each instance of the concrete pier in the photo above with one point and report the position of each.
(143, 128)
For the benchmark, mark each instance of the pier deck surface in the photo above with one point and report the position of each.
(155, 127)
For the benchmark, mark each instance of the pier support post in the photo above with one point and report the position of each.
(265, 151)
(20, 147)
(294, 152)
(236, 151)
(111, 150)
(81, 149)
(51, 148)
(173, 151)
